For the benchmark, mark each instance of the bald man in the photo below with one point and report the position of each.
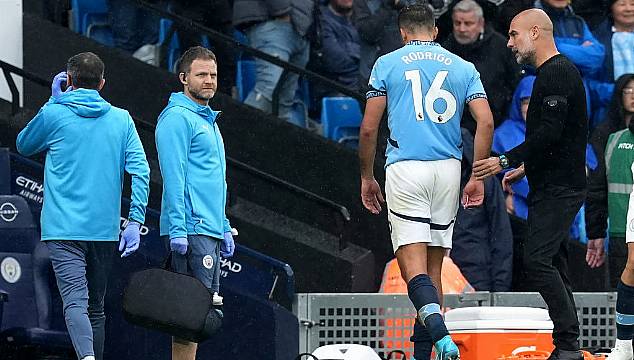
(553, 159)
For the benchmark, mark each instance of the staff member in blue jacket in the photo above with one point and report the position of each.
(88, 144)
(192, 160)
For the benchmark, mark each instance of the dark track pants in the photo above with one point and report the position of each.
(551, 212)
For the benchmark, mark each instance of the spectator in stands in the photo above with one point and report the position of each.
(616, 34)
(486, 49)
(340, 52)
(606, 200)
(85, 137)
(482, 237)
(575, 41)
(193, 166)
(134, 30)
(279, 28)
(216, 15)
(376, 21)
(573, 38)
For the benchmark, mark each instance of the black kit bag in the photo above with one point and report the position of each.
(173, 303)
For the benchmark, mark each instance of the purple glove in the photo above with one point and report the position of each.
(227, 246)
(56, 86)
(179, 244)
(130, 238)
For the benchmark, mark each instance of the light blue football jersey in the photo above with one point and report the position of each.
(427, 88)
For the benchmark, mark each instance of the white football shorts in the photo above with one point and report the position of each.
(422, 201)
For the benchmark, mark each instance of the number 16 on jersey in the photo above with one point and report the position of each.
(435, 92)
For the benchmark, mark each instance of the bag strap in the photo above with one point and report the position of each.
(299, 357)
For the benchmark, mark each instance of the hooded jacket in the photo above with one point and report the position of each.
(597, 198)
(498, 69)
(88, 143)
(192, 160)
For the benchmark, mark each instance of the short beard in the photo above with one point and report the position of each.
(198, 95)
(527, 58)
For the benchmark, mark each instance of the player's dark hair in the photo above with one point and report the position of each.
(194, 53)
(417, 17)
(86, 70)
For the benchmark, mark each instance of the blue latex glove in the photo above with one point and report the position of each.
(56, 86)
(179, 244)
(130, 238)
(227, 246)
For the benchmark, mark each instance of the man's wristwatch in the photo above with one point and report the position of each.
(504, 162)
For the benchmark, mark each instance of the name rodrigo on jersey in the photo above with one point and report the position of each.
(426, 55)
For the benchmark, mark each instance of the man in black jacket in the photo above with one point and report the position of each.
(553, 155)
(486, 49)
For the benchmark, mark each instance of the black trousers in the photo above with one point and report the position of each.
(617, 258)
(551, 211)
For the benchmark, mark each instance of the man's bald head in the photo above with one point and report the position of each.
(534, 18)
(530, 33)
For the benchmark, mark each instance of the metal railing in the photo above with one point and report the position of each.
(343, 214)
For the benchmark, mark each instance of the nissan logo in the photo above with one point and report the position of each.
(8, 212)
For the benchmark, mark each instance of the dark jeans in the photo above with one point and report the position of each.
(132, 26)
(81, 269)
(551, 210)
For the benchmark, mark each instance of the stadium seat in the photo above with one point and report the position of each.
(25, 322)
(340, 118)
(88, 12)
(90, 18)
(173, 45)
(245, 77)
(102, 33)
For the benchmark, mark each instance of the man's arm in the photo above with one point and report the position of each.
(481, 112)
(35, 136)
(173, 136)
(588, 56)
(136, 165)
(370, 190)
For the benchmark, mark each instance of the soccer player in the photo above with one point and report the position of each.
(425, 89)
(89, 144)
(192, 161)
(553, 158)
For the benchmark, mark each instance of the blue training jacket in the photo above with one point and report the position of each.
(192, 160)
(88, 143)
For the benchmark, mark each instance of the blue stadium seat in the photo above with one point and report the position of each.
(90, 18)
(101, 34)
(245, 77)
(173, 48)
(340, 118)
(87, 12)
